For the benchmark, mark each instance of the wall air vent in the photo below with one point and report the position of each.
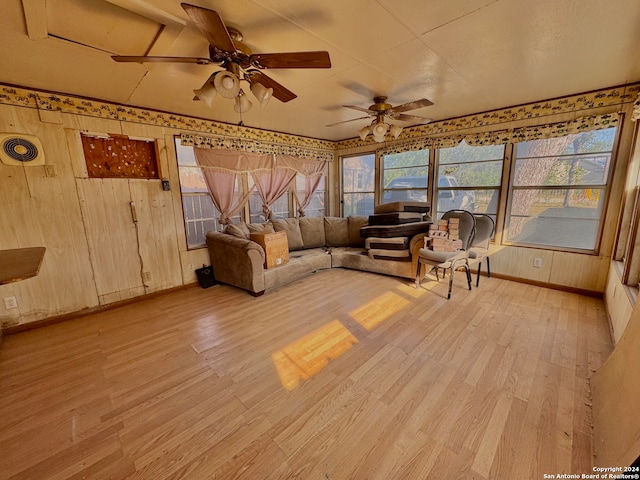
(21, 150)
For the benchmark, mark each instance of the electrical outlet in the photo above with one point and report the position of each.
(10, 302)
(146, 276)
(49, 171)
(190, 267)
(537, 262)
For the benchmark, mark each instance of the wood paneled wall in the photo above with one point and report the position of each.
(96, 253)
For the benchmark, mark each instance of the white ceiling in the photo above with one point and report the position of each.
(466, 56)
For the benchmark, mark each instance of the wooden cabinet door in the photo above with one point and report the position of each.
(111, 237)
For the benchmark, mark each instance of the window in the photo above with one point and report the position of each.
(200, 216)
(358, 185)
(469, 178)
(405, 176)
(558, 190)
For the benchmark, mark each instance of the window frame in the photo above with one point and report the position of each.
(606, 191)
(428, 179)
(375, 190)
(497, 188)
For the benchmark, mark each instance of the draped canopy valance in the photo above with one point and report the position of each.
(253, 146)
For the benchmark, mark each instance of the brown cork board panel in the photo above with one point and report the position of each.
(120, 157)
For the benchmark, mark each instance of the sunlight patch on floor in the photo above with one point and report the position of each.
(378, 310)
(305, 357)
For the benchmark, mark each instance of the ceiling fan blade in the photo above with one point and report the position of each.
(318, 59)
(280, 92)
(412, 105)
(211, 26)
(142, 59)
(403, 117)
(346, 121)
(360, 109)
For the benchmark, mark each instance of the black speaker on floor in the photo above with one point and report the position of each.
(205, 276)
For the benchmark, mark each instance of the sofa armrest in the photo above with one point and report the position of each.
(237, 261)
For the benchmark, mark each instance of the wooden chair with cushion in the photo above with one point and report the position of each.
(479, 249)
(450, 260)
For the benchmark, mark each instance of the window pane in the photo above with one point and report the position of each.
(358, 173)
(451, 199)
(358, 204)
(406, 159)
(467, 153)
(559, 217)
(358, 183)
(573, 170)
(405, 176)
(480, 174)
(595, 141)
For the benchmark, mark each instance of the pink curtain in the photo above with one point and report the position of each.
(272, 176)
(303, 199)
(312, 170)
(272, 185)
(221, 168)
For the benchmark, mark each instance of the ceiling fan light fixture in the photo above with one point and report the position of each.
(207, 93)
(395, 131)
(363, 132)
(243, 104)
(380, 129)
(262, 93)
(227, 84)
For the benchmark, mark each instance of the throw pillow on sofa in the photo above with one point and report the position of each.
(291, 227)
(260, 228)
(312, 230)
(239, 230)
(336, 231)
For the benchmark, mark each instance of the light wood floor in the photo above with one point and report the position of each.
(342, 375)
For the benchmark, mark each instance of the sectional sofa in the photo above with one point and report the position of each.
(314, 244)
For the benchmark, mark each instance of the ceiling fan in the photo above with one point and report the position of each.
(379, 110)
(239, 62)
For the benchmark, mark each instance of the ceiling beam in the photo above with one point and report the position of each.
(35, 17)
(172, 26)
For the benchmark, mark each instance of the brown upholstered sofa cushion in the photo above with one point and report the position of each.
(336, 231)
(292, 229)
(312, 230)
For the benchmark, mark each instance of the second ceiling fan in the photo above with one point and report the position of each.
(239, 62)
(379, 110)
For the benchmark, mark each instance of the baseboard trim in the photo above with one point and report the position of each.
(564, 288)
(10, 330)
(102, 308)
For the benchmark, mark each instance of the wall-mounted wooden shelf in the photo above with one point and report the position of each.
(20, 263)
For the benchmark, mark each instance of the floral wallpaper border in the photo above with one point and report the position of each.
(574, 103)
(93, 108)
(75, 105)
(247, 145)
(515, 135)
